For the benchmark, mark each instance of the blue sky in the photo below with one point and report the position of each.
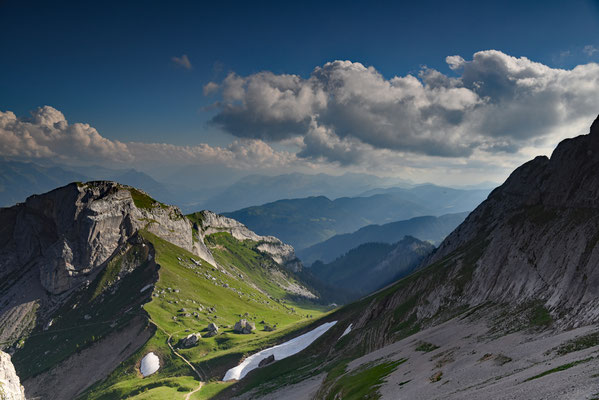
(111, 65)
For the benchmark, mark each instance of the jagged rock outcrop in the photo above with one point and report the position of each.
(72, 230)
(190, 340)
(244, 326)
(212, 330)
(282, 253)
(10, 385)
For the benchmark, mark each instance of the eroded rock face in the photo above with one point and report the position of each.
(74, 229)
(537, 236)
(10, 385)
(280, 252)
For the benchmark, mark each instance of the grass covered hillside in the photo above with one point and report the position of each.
(139, 277)
(190, 294)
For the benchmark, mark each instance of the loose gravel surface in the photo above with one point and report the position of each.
(476, 366)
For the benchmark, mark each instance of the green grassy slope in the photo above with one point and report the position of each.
(186, 298)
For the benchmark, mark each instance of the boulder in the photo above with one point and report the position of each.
(268, 360)
(244, 326)
(212, 330)
(190, 341)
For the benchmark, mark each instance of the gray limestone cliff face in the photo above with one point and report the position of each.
(10, 385)
(72, 230)
(538, 235)
(282, 253)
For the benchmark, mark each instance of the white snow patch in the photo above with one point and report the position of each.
(143, 289)
(149, 364)
(280, 351)
(346, 331)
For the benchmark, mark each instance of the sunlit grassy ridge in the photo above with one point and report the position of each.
(190, 294)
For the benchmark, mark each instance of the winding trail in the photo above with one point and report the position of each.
(175, 352)
(188, 396)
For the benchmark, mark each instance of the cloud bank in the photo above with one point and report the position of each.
(481, 119)
(493, 104)
(46, 134)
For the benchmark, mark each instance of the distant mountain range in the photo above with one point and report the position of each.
(19, 180)
(371, 266)
(307, 221)
(427, 228)
(254, 190)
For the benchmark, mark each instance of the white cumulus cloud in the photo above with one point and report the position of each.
(495, 103)
(46, 134)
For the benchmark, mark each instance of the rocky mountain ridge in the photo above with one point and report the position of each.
(539, 234)
(282, 253)
(69, 232)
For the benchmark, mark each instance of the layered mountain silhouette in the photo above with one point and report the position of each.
(427, 228)
(305, 222)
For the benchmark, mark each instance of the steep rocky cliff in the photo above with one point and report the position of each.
(538, 235)
(69, 232)
(10, 386)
